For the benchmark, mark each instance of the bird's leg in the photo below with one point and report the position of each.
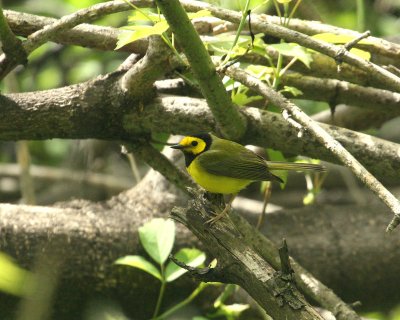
(223, 212)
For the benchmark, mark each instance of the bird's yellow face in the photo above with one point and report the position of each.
(193, 145)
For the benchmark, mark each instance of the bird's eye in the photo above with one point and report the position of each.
(194, 143)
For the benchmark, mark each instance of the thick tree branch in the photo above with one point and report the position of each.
(95, 109)
(354, 118)
(305, 281)
(240, 263)
(85, 35)
(139, 80)
(336, 92)
(229, 120)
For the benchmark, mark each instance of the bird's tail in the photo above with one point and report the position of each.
(278, 165)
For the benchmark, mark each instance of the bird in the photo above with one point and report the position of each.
(226, 167)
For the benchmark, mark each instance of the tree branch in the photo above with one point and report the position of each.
(353, 118)
(335, 91)
(85, 35)
(305, 281)
(139, 80)
(96, 109)
(241, 264)
(229, 120)
(10, 44)
(65, 23)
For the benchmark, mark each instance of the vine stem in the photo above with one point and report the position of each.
(184, 302)
(161, 293)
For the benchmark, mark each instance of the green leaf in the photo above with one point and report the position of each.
(140, 32)
(309, 198)
(13, 279)
(157, 238)
(143, 15)
(284, 1)
(361, 53)
(241, 98)
(294, 50)
(338, 38)
(199, 14)
(191, 257)
(141, 263)
(292, 90)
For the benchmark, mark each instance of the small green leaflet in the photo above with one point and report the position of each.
(141, 263)
(140, 32)
(160, 25)
(13, 279)
(157, 238)
(292, 90)
(294, 50)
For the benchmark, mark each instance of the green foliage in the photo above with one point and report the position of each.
(294, 50)
(158, 25)
(141, 263)
(157, 238)
(13, 279)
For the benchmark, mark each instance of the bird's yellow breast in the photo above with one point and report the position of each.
(214, 183)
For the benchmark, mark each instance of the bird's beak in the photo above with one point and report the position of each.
(177, 146)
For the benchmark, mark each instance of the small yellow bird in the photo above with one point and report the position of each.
(226, 167)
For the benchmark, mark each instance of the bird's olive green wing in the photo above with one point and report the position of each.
(238, 163)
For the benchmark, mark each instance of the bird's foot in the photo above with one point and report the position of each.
(219, 215)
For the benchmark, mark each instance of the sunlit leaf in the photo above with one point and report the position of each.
(292, 90)
(143, 15)
(199, 14)
(338, 38)
(13, 279)
(140, 32)
(233, 310)
(309, 198)
(294, 50)
(141, 263)
(284, 1)
(190, 257)
(242, 99)
(361, 53)
(157, 238)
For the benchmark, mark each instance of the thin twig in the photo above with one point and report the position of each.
(160, 163)
(324, 138)
(349, 45)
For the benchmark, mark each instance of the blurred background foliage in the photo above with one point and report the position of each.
(54, 65)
